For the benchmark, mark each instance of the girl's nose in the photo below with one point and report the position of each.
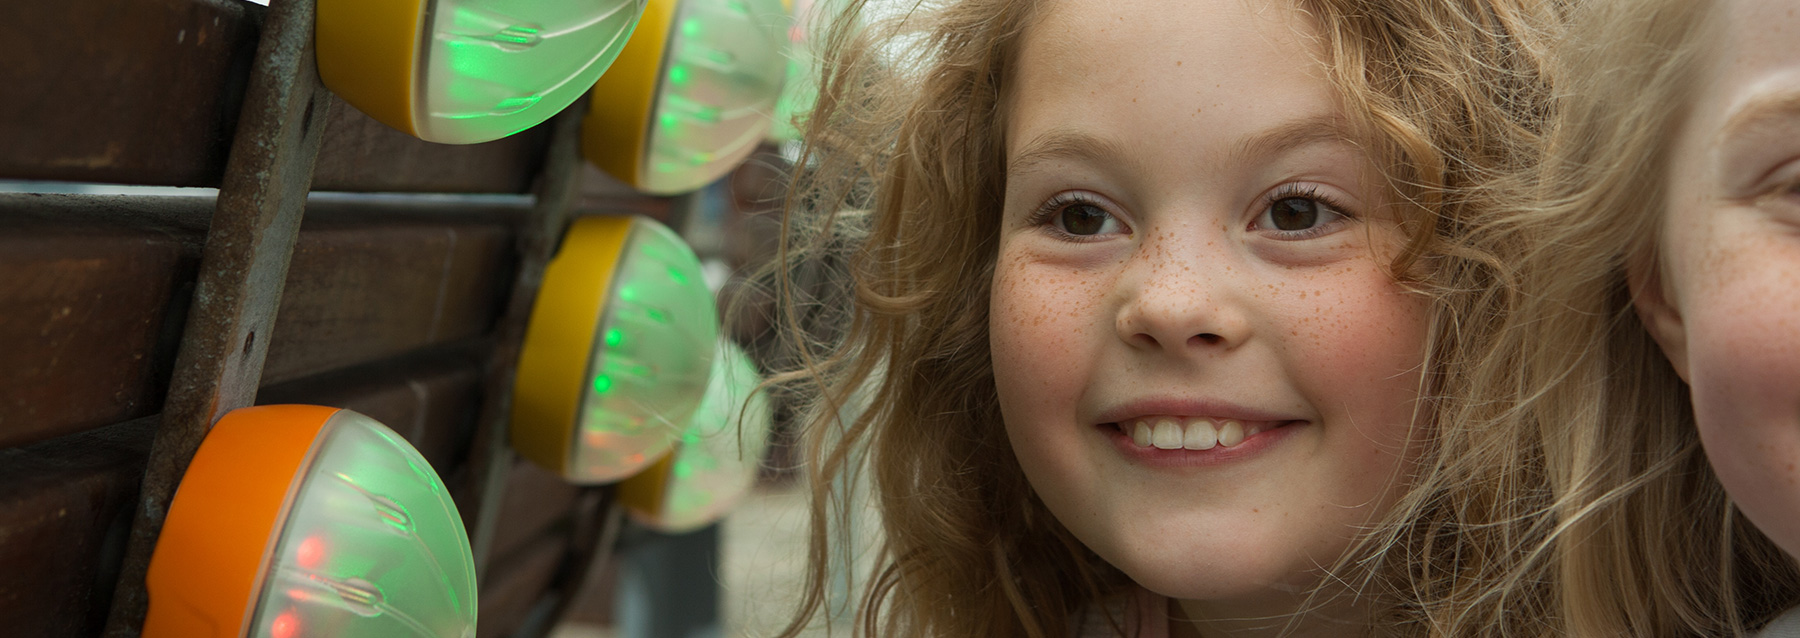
(1183, 308)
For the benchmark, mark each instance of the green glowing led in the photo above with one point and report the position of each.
(690, 27)
(373, 546)
(679, 74)
(496, 67)
(647, 385)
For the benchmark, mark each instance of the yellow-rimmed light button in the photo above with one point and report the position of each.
(718, 457)
(297, 521)
(617, 352)
(467, 71)
(691, 96)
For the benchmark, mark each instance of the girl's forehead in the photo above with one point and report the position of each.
(1136, 75)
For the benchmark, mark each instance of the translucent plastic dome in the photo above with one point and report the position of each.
(372, 547)
(651, 360)
(497, 67)
(720, 452)
(722, 75)
(467, 71)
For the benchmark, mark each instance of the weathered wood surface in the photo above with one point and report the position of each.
(515, 585)
(364, 155)
(535, 500)
(428, 398)
(148, 92)
(367, 289)
(143, 92)
(65, 506)
(97, 289)
(94, 294)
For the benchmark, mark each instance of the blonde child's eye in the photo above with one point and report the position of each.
(1081, 218)
(1295, 213)
(1076, 216)
(1304, 214)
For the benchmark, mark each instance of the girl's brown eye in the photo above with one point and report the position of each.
(1294, 213)
(1083, 219)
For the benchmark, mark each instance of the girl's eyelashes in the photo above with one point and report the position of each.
(1294, 212)
(1076, 216)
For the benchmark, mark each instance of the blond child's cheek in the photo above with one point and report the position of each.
(1741, 308)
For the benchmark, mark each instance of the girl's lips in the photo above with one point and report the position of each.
(1269, 433)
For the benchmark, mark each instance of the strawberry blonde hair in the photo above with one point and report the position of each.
(884, 283)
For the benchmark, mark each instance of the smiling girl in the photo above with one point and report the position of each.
(1156, 309)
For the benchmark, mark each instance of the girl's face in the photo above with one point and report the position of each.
(1727, 311)
(1205, 368)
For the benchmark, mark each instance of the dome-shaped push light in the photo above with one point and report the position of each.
(691, 95)
(718, 457)
(617, 352)
(467, 71)
(297, 521)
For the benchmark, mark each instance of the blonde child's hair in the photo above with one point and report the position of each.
(1575, 401)
(896, 198)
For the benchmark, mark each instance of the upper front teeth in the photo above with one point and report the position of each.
(1167, 433)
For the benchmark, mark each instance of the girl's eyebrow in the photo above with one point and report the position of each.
(1064, 144)
(1292, 134)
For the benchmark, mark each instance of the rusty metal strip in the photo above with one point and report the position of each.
(242, 269)
(491, 457)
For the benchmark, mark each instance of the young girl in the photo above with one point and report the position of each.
(1156, 308)
(1670, 183)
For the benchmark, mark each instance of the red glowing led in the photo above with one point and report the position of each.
(287, 625)
(311, 553)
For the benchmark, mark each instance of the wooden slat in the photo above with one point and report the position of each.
(98, 287)
(92, 308)
(429, 399)
(147, 92)
(142, 92)
(64, 509)
(364, 155)
(601, 193)
(535, 499)
(516, 583)
(360, 291)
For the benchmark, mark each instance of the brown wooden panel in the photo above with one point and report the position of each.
(602, 193)
(97, 288)
(535, 499)
(65, 506)
(142, 92)
(429, 399)
(360, 291)
(91, 309)
(364, 155)
(516, 583)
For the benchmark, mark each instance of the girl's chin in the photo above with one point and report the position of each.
(1238, 581)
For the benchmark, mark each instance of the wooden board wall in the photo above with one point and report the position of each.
(389, 306)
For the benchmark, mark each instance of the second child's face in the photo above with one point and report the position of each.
(1205, 368)
(1730, 320)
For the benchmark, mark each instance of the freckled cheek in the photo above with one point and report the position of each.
(1041, 331)
(1358, 352)
(1359, 324)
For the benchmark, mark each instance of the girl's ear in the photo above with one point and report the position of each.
(1658, 312)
